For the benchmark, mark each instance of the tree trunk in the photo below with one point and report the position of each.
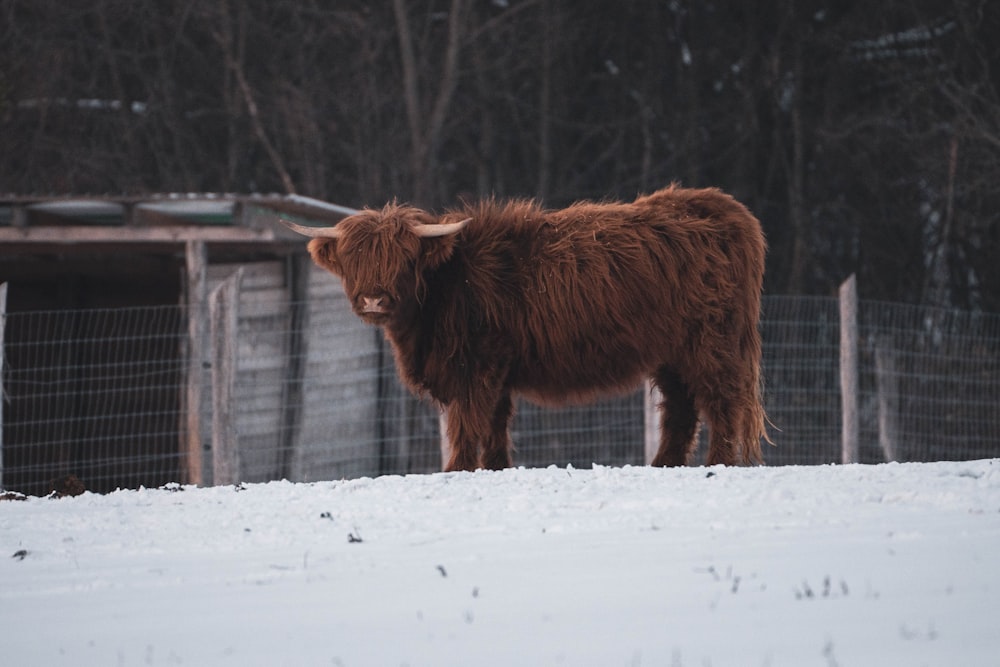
(425, 132)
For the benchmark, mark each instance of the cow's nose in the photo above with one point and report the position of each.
(374, 304)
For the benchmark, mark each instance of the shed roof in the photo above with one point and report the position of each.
(161, 218)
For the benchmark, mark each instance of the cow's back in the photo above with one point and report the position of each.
(591, 298)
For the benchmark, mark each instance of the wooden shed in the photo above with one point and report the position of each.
(70, 407)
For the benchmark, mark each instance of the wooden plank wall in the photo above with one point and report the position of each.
(338, 422)
(306, 391)
(261, 368)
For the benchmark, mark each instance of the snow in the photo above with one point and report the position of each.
(892, 564)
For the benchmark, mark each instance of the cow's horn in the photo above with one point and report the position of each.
(315, 232)
(427, 231)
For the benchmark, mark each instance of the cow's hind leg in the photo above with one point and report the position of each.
(678, 419)
(724, 446)
(478, 432)
(735, 420)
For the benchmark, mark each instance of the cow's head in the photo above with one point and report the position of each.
(381, 256)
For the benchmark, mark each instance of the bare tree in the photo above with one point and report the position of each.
(428, 98)
(229, 33)
(865, 137)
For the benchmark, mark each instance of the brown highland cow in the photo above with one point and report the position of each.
(561, 306)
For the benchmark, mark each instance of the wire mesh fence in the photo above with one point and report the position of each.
(105, 395)
(800, 361)
(929, 383)
(91, 393)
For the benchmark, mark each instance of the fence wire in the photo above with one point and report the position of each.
(929, 383)
(92, 393)
(800, 361)
(101, 395)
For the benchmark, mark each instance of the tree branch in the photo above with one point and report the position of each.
(225, 40)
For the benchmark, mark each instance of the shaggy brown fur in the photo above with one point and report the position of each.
(562, 306)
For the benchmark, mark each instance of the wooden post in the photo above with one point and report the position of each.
(850, 430)
(651, 399)
(197, 314)
(3, 325)
(224, 314)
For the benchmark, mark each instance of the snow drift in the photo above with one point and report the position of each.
(834, 565)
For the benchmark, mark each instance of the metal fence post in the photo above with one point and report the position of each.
(886, 382)
(651, 398)
(850, 430)
(445, 443)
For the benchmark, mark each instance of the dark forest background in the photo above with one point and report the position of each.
(864, 135)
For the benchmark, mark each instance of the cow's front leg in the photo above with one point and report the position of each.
(497, 446)
(478, 431)
(463, 436)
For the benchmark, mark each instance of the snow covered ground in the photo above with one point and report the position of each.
(893, 564)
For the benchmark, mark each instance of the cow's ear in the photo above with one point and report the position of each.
(324, 252)
(435, 251)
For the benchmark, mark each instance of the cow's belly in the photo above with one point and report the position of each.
(582, 382)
